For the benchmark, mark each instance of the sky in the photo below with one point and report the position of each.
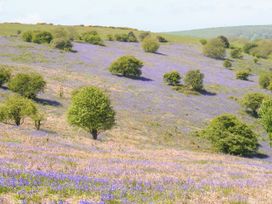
(153, 15)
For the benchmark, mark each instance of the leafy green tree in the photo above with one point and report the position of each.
(91, 110)
(5, 75)
(252, 102)
(224, 40)
(215, 48)
(242, 74)
(236, 53)
(16, 108)
(92, 38)
(27, 85)
(128, 66)
(150, 45)
(172, 78)
(227, 64)
(194, 80)
(265, 113)
(228, 135)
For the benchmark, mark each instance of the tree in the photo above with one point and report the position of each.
(224, 40)
(91, 110)
(16, 108)
(92, 38)
(28, 85)
(150, 45)
(128, 66)
(228, 135)
(5, 75)
(252, 102)
(194, 80)
(172, 78)
(38, 118)
(215, 48)
(265, 113)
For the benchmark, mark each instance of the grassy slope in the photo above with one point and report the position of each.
(250, 32)
(154, 123)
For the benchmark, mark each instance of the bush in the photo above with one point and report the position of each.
(27, 85)
(194, 80)
(110, 37)
(227, 64)
(143, 35)
(150, 45)
(91, 110)
(172, 78)
(5, 75)
(38, 118)
(252, 102)
(40, 37)
(62, 44)
(215, 48)
(162, 39)
(127, 66)
(228, 135)
(255, 60)
(132, 37)
(121, 37)
(236, 53)
(265, 113)
(27, 36)
(242, 74)
(265, 80)
(225, 41)
(248, 47)
(203, 41)
(16, 108)
(92, 38)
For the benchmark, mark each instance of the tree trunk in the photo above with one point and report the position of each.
(94, 134)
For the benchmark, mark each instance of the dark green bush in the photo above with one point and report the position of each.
(62, 44)
(27, 85)
(121, 37)
(40, 37)
(252, 102)
(236, 53)
(265, 113)
(91, 110)
(227, 64)
(265, 80)
(5, 75)
(150, 45)
(203, 41)
(194, 80)
(263, 49)
(162, 39)
(127, 66)
(132, 37)
(172, 78)
(248, 47)
(92, 38)
(110, 37)
(27, 36)
(228, 135)
(225, 41)
(242, 74)
(215, 48)
(143, 35)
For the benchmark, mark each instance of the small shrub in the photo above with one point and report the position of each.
(40, 37)
(143, 35)
(27, 85)
(91, 110)
(228, 135)
(215, 48)
(225, 41)
(248, 47)
(242, 74)
(255, 60)
(38, 118)
(5, 75)
(265, 113)
(27, 36)
(252, 102)
(203, 41)
(132, 37)
(92, 38)
(265, 80)
(236, 53)
(150, 45)
(162, 39)
(62, 44)
(110, 37)
(194, 80)
(16, 108)
(127, 66)
(172, 78)
(227, 64)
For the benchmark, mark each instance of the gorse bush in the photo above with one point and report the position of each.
(62, 44)
(172, 78)
(130, 37)
(91, 110)
(16, 109)
(110, 37)
(252, 102)
(27, 85)
(265, 80)
(162, 39)
(225, 41)
(143, 35)
(236, 53)
(194, 80)
(248, 47)
(203, 41)
(128, 66)
(92, 38)
(215, 48)
(263, 49)
(265, 113)
(27, 36)
(40, 37)
(228, 135)
(227, 64)
(150, 45)
(5, 75)
(242, 74)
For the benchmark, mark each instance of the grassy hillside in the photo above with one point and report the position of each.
(152, 154)
(249, 32)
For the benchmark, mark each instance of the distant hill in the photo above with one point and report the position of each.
(250, 32)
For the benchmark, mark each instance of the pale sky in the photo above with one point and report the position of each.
(153, 15)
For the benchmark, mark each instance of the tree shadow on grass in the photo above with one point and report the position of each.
(47, 102)
(136, 78)
(187, 91)
(258, 155)
(207, 93)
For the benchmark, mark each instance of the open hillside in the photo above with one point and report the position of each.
(152, 155)
(249, 32)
